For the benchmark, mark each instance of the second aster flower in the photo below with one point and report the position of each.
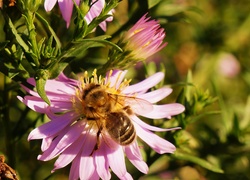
(66, 7)
(94, 122)
(145, 38)
(141, 41)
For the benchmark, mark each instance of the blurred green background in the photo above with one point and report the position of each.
(206, 62)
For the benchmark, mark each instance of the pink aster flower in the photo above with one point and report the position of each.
(145, 38)
(66, 7)
(228, 65)
(95, 122)
(95, 11)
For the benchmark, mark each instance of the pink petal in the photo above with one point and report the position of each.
(149, 127)
(103, 24)
(101, 161)
(61, 98)
(55, 141)
(34, 103)
(65, 79)
(164, 111)
(46, 142)
(38, 105)
(67, 140)
(69, 154)
(56, 88)
(134, 155)
(49, 4)
(31, 81)
(87, 167)
(95, 175)
(60, 106)
(157, 95)
(74, 170)
(157, 143)
(66, 7)
(50, 128)
(95, 11)
(116, 161)
(53, 97)
(127, 177)
(60, 79)
(115, 78)
(139, 106)
(53, 86)
(145, 84)
(30, 91)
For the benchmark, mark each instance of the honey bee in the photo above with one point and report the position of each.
(108, 113)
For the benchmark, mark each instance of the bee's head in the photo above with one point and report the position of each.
(97, 99)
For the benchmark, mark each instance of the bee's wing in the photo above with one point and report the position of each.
(138, 105)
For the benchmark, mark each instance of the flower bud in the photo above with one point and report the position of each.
(144, 39)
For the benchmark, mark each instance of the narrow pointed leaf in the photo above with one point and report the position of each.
(197, 160)
(50, 29)
(17, 36)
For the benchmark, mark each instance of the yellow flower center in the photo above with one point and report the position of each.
(96, 95)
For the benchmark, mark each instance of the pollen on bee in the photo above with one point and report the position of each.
(97, 95)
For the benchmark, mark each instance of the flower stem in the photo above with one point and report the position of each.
(9, 145)
(32, 35)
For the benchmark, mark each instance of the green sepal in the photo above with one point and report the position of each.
(41, 77)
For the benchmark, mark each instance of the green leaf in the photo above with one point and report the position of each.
(41, 76)
(236, 127)
(77, 49)
(40, 44)
(168, 9)
(56, 69)
(18, 37)
(244, 122)
(204, 114)
(62, 61)
(3, 44)
(197, 160)
(152, 3)
(57, 66)
(102, 39)
(58, 43)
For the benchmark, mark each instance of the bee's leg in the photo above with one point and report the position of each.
(98, 139)
(128, 110)
(97, 145)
